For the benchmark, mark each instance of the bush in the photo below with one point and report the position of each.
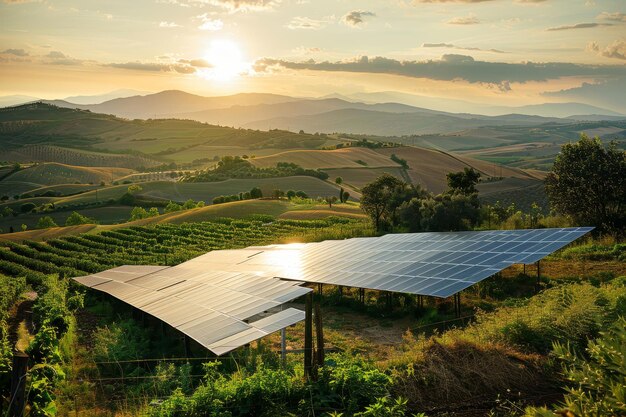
(597, 379)
(46, 222)
(27, 207)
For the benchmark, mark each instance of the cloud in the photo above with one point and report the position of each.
(356, 17)
(154, 67)
(450, 1)
(59, 58)
(169, 25)
(198, 63)
(579, 26)
(209, 23)
(615, 17)
(16, 52)
(464, 48)
(616, 50)
(306, 23)
(181, 66)
(604, 93)
(452, 67)
(466, 20)
(233, 6)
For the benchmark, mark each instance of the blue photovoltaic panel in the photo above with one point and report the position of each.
(210, 298)
(434, 264)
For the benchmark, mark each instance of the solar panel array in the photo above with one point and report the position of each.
(211, 307)
(210, 298)
(432, 264)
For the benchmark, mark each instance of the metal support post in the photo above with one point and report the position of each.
(308, 335)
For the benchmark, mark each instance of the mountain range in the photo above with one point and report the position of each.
(326, 115)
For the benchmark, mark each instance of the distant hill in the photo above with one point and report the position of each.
(560, 110)
(167, 103)
(376, 122)
(80, 134)
(101, 98)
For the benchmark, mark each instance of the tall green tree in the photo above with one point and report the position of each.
(381, 198)
(463, 182)
(588, 183)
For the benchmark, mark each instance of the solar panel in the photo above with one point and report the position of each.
(433, 264)
(208, 306)
(210, 298)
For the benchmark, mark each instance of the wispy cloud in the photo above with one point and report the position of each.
(463, 48)
(16, 52)
(208, 23)
(307, 23)
(356, 17)
(154, 67)
(451, 67)
(233, 6)
(578, 26)
(464, 20)
(615, 16)
(59, 58)
(168, 25)
(616, 50)
(450, 1)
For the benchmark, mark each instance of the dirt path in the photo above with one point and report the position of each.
(21, 322)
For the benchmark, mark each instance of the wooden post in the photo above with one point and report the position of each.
(283, 347)
(538, 285)
(18, 384)
(457, 305)
(319, 333)
(187, 344)
(319, 289)
(308, 335)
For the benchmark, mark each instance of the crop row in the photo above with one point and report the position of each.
(157, 245)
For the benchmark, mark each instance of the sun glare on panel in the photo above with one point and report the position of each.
(226, 61)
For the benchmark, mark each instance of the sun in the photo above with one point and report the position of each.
(226, 60)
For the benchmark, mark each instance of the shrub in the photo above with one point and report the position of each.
(46, 222)
(597, 379)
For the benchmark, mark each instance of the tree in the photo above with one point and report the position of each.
(24, 227)
(301, 194)
(27, 207)
(189, 204)
(172, 207)
(381, 197)
(132, 189)
(46, 222)
(341, 191)
(330, 201)
(277, 194)
(291, 194)
(75, 219)
(256, 193)
(338, 180)
(588, 183)
(463, 182)
(346, 196)
(153, 212)
(138, 213)
(448, 212)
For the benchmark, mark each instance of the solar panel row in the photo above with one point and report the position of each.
(210, 297)
(208, 306)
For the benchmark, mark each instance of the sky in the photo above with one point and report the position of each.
(500, 52)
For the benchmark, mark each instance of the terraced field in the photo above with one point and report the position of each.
(339, 158)
(69, 156)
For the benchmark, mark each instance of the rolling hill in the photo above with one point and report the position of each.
(340, 158)
(52, 173)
